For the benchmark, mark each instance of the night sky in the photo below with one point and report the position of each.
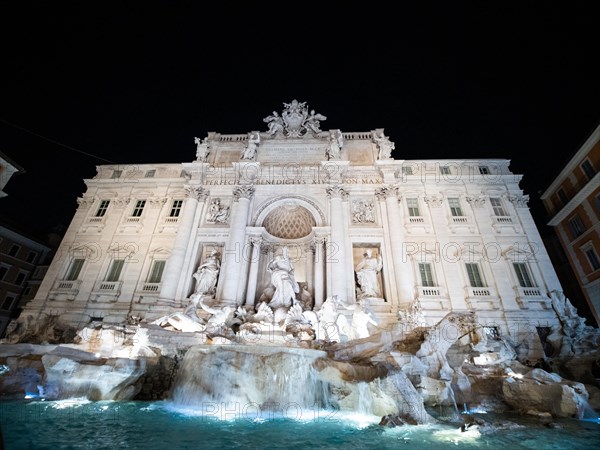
(135, 82)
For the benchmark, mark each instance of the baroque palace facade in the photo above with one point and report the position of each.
(402, 237)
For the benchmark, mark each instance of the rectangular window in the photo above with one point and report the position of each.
(176, 208)
(598, 204)
(474, 275)
(74, 269)
(576, 225)
(8, 301)
(497, 207)
(27, 291)
(150, 173)
(117, 173)
(525, 278)
(102, 208)
(562, 195)
(31, 257)
(454, 204)
(3, 271)
(156, 272)
(139, 208)
(484, 170)
(426, 275)
(593, 258)
(14, 249)
(492, 333)
(407, 170)
(445, 170)
(20, 278)
(588, 169)
(115, 270)
(413, 207)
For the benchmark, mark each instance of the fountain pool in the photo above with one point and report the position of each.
(81, 424)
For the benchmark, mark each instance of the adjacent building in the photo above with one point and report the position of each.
(573, 203)
(23, 264)
(447, 235)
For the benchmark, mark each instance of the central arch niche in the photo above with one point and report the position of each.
(289, 221)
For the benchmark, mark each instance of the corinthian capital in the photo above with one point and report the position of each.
(336, 191)
(434, 201)
(85, 202)
(243, 191)
(475, 201)
(196, 192)
(386, 191)
(520, 201)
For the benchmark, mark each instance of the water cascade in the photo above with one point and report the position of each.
(236, 381)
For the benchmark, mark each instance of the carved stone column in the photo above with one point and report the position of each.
(339, 283)
(309, 265)
(233, 293)
(319, 271)
(402, 268)
(253, 275)
(174, 265)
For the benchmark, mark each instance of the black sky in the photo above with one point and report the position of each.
(134, 82)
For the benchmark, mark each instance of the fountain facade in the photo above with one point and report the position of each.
(307, 269)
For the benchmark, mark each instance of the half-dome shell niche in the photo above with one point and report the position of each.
(289, 221)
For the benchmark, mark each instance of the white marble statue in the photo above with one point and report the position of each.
(282, 278)
(312, 122)
(336, 141)
(217, 212)
(366, 274)
(275, 122)
(361, 318)
(385, 145)
(220, 316)
(202, 149)
(332, 323)
(249, 151)
(207, 274)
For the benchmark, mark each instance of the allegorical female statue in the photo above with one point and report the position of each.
(207, 274)
(366, 274)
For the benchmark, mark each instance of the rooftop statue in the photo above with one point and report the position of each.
(202, 149)
(384, 144)
(249, 152)
(295, 121)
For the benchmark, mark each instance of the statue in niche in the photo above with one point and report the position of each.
(363, 212)
(207, 274)
(275, 122)
(366, 274)
(336, 141)
(282, 278)
(202, 149)
(249, 151)
(312, 122)
(385, 145)
(217, 213)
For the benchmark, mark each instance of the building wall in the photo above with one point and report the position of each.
(294, 175)
(20, 257)
(576, 218)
